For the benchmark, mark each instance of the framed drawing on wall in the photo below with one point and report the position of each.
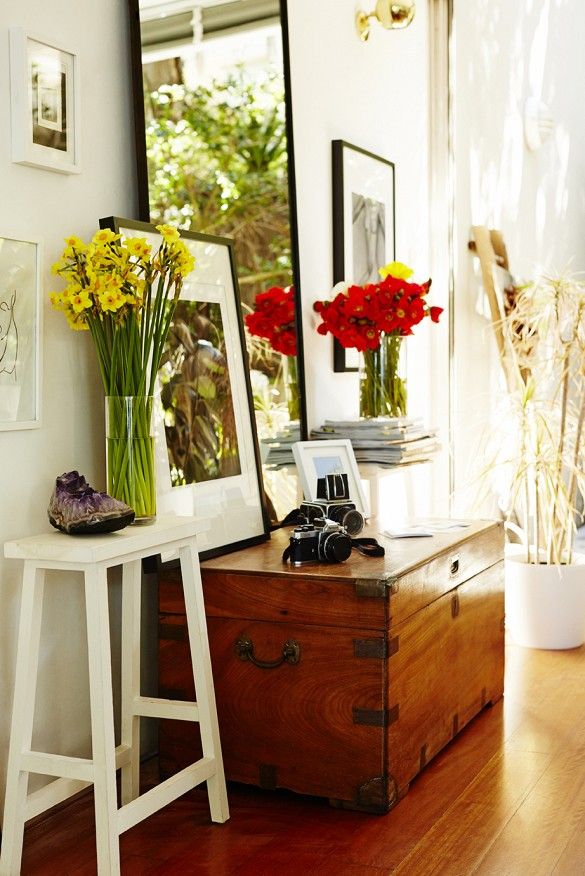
(44, 99)
(20, 333)
(207, 459)
(364, 237)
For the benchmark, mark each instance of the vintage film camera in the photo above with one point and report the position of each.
(333, 502)
(323, 540)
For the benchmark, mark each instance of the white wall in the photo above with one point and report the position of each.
(504, 53)
(50, 205)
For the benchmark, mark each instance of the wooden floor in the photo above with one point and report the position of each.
(507, 798)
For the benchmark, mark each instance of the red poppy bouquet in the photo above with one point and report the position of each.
(374, 318)
(359, 316)
(273, 319)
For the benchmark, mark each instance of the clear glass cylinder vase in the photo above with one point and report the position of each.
(130, 454)
(382, 384)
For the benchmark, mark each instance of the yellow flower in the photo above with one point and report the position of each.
(168, 233)
(104, 236)
(57, 301)
(186, 265)
(111, 300)
(137, 246)
(77, 323)
(75, 243)
(59, 266)
(80, 301)
(112, 281)
(396, 269)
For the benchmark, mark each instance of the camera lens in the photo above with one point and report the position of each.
(353, 522)
(335, 513)
(336, 547)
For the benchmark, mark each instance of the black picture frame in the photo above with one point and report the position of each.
(235, 506)
(359, 177)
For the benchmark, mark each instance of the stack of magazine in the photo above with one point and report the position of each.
(386, 441)
(277, 452)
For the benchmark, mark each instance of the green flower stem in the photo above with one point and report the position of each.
(382, 390)
(130, 448)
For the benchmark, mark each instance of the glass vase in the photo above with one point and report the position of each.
(291, 381)
(130, 454)
(382, 388)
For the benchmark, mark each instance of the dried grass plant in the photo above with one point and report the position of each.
(539, 463)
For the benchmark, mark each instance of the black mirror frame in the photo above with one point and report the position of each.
(142, 171)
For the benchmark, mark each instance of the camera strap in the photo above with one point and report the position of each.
(369, 547)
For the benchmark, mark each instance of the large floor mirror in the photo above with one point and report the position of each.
(215, 155)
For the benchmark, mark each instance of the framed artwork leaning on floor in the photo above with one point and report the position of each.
(207, 460)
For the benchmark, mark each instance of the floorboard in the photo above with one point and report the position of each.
(506, 798)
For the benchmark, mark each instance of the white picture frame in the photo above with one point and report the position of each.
(44, 102)
(234, 504)
(20, 333)
(315, 459)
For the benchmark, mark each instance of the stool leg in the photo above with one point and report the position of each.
(204, 690)
(22, 717)
(131, 593)
(102, 721)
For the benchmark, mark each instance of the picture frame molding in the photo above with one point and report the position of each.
(115, 223)
(35, 423)
(304, 453)
(24, 151)
(338, 226)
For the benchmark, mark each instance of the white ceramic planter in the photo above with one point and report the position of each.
(545, 605)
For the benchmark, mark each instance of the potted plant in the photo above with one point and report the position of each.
(540, 463)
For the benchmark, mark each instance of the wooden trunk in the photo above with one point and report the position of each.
(395, 657)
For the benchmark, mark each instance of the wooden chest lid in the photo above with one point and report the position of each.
(403, 556)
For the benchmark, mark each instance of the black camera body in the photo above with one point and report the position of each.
(320, 541)
(333, 503)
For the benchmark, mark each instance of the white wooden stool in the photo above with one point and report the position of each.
(94, 555)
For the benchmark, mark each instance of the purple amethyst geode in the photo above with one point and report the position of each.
(78, 509)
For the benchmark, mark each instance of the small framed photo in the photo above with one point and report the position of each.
(44, 98)
(207, 459)
(363, 224)
(20, 333)
(317, 459)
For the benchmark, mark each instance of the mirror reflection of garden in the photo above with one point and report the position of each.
(218, 164)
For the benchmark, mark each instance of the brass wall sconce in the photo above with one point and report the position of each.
(391, 15)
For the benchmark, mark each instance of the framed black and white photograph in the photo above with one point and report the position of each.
(44, 97)
(207, 459)
(20, 333)
(317, 459)
(363, 224)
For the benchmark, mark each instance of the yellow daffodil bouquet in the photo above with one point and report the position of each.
(124, 293)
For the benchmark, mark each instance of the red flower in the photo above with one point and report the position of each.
(358, 316)
(274, 319)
